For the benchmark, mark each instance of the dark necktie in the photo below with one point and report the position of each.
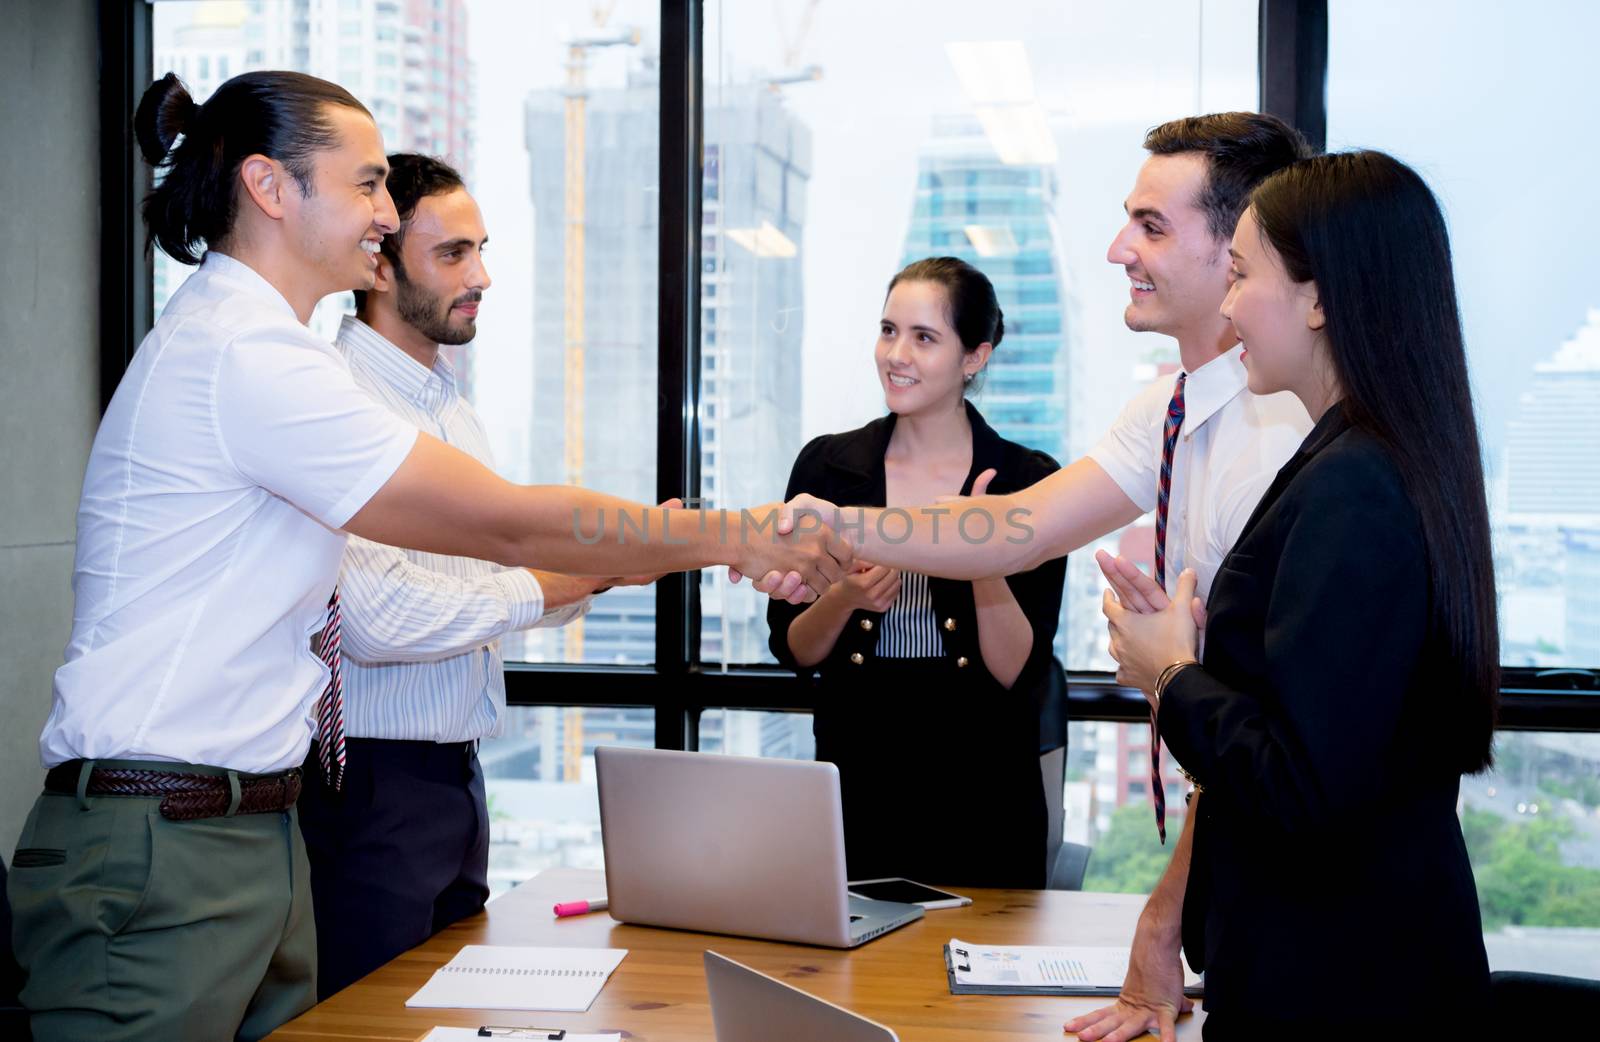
(330, 707)
(1169, 443)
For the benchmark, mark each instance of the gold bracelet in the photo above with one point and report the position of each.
(1171, 671)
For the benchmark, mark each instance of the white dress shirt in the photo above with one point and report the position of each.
(1231, 445)
(235, 448)
(421, 634)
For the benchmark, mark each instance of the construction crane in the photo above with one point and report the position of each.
(793, 45)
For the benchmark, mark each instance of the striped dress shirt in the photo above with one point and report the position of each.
(910, 628)
(422, 631)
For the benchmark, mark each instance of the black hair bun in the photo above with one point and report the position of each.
(165, 112)
(999, 328)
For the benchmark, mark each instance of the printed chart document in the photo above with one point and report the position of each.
(482, 976)
(471, 1035)
(977, 969)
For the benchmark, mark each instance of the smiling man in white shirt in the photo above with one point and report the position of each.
(403, 850)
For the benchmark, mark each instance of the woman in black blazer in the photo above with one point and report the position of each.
(1351, 658)
(926, 696)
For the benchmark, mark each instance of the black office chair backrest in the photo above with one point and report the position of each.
(1570, 1001)
(13, 1018)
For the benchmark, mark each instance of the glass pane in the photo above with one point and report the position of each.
(1533, 834)
(743, 732)
(841, 144)
(544, 809)
(1512, 175)
(1107, 805)
(1532, 827)
(517, 96)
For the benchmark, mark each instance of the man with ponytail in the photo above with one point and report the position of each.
(161, 886)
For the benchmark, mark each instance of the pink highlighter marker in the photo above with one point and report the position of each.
(594, 904)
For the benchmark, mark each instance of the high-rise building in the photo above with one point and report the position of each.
(1548, 538)
(1552, 471)
(1582, 600)
(599, 430)
(1002, 219)
(757, 167)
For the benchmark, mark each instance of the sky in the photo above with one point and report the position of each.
(885, 76)
(1494, 105)
(1501, 139)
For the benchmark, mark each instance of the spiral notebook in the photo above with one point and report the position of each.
(482, 976)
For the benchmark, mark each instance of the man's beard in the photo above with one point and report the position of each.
(420, 310)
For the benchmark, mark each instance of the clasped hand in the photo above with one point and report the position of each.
(790, 585)
(1148, 632)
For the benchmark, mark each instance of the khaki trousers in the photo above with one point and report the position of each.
(130, 926)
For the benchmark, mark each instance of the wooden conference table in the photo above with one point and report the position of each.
(658, 994)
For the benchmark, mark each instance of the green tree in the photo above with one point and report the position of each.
(1130, 858)
(1521, 878)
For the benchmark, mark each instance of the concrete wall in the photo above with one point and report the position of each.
(49, 359)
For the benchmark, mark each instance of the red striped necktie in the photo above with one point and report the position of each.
(330, 707)
(1169, 443)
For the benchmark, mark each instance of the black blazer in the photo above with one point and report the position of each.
(1327, 853)
(847, 470)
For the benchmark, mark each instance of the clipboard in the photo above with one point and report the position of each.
(1067, 970)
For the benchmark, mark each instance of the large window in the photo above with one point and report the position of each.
(844, 142)
(840, 142)
(1512, 172)
(544, 806)
(554, 123)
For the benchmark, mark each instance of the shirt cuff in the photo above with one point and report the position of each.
(1135, 482)
(524, 597)
(567, 613)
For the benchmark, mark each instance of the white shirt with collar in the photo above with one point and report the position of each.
(234, 450)
(421, 632)
(1230, 447)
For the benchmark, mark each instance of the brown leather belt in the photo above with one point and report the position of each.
(184, 796)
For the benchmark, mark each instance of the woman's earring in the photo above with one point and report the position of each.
(967, 378)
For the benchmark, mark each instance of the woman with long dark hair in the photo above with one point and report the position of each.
(926, 702)
(1351, 662)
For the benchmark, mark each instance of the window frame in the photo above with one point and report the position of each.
(1292, 46)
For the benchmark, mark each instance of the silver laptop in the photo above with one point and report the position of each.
(732, 844)
(747, 1006)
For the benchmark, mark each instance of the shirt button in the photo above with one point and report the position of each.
(857, 658)
(950, 625)
(866, 624)
(961, 663)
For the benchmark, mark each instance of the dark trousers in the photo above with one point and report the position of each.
(396, 856)
(938, 774)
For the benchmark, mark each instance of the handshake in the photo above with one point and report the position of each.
(802, 554)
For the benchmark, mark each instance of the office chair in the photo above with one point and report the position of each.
(13, 1018)
(1556, 1000)
(1066, 862)
(1071, 864)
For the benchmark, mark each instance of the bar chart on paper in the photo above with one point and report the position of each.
(976, 969)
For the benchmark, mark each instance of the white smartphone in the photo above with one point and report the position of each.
(907, 892)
